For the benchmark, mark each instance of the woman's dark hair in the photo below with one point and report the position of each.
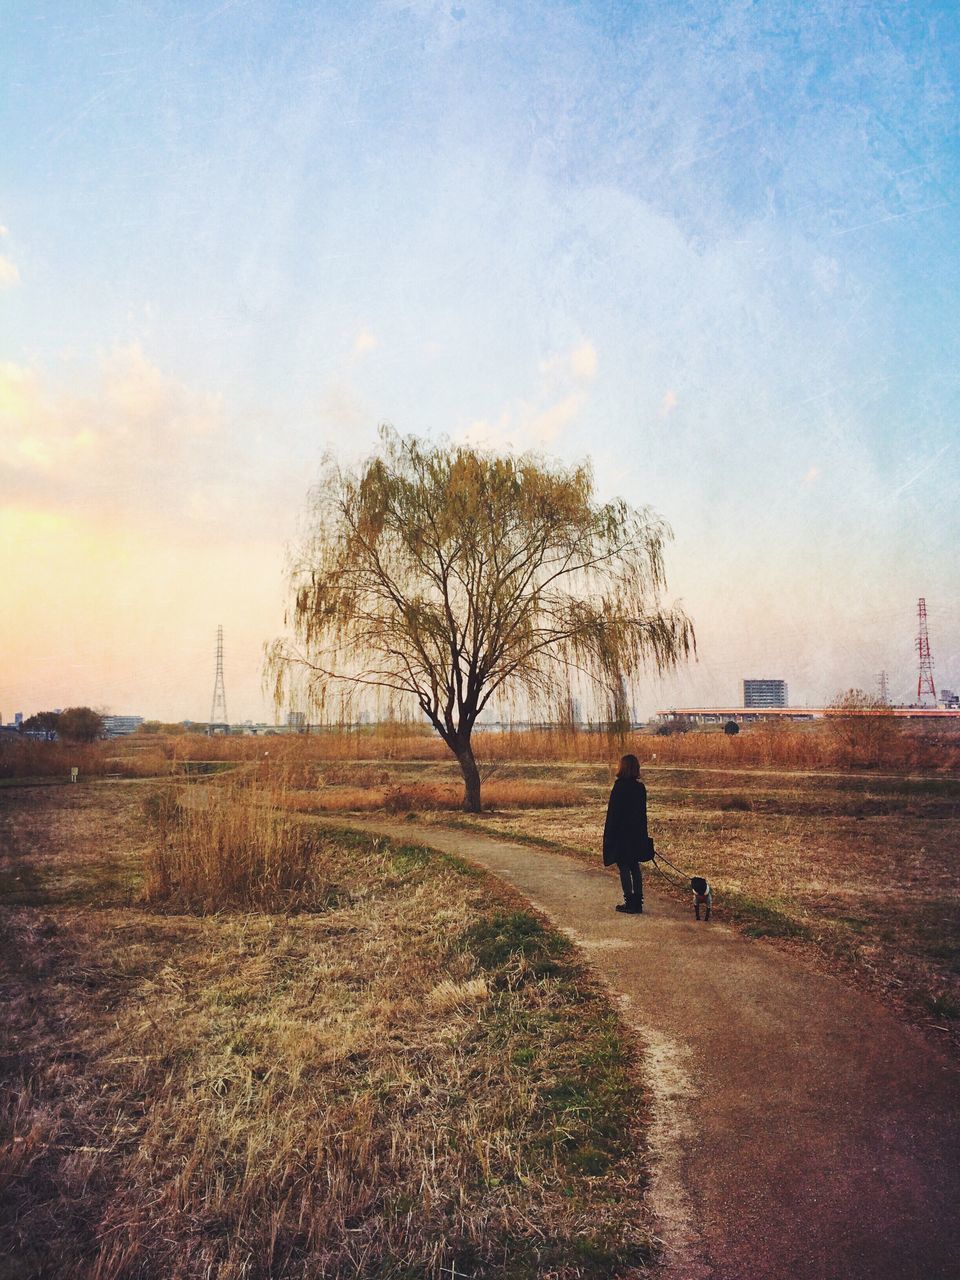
(629, 767)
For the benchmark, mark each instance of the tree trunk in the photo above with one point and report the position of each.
(471, 776)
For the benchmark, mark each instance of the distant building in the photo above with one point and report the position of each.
(764, 693)
(118, 726)
(297, 720)
(949, 700)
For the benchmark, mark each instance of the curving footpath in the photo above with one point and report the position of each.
(799, 1130)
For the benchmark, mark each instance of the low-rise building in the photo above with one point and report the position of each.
(118, 726)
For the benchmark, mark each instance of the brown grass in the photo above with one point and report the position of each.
(425, 797)
(299, 761)
(817, 745)
(409, 1076)
(29, 759)
(232, 846)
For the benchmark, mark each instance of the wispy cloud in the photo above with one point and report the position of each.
(129, 439)
(555, 407)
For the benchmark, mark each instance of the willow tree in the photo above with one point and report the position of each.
(446, 575)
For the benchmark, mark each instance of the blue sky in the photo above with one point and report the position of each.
(711, 247)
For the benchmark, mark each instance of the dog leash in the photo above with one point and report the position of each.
(682, 874)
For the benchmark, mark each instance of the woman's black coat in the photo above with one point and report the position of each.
(625, 835)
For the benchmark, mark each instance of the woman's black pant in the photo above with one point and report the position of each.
(632, 881)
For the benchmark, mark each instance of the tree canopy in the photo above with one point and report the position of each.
(446, 575)
(80, 724)
(44, 722)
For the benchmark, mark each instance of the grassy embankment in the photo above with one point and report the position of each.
(367, 1061)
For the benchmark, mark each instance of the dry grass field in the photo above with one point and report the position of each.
(374, 1063)
(881, 744)
(233, 1049)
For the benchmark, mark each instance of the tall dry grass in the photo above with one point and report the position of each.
(428, 797)
(885, 745)
(27, 758)
(233, 845)
(412, 1077)
(302, 760)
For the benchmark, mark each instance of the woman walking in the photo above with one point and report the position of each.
(626, 840)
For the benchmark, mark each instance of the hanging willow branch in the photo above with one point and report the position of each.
(448, 575)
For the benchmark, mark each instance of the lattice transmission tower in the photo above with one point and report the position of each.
(218, 708)
(883, 689)
(925, 683)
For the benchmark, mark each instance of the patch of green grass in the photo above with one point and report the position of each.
(856, 923)
(405, 858)
(741, 803)
(22, 885)
(497, 939)
(506, 833)
(34, 781)
(763, 919)
(947, 952)
(943, 1008)
(201, 768)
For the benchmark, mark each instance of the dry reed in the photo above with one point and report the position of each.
(301, 759)
(305, 760)
(229, 846)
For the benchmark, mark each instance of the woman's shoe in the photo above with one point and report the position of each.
(632, 906)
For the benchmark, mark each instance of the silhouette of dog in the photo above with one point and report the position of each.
(702, 895)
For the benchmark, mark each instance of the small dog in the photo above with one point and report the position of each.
(702, 895)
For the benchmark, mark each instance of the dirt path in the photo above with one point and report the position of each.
(800, 1131)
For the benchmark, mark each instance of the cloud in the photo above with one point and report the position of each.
(545, 426)
(130, 440)
(580, 362)
(583, 362)
(541, 420)
(484, 434)
(524, 425)
(9, 275)
(364, 343)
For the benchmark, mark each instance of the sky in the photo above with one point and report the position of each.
(712, 248)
